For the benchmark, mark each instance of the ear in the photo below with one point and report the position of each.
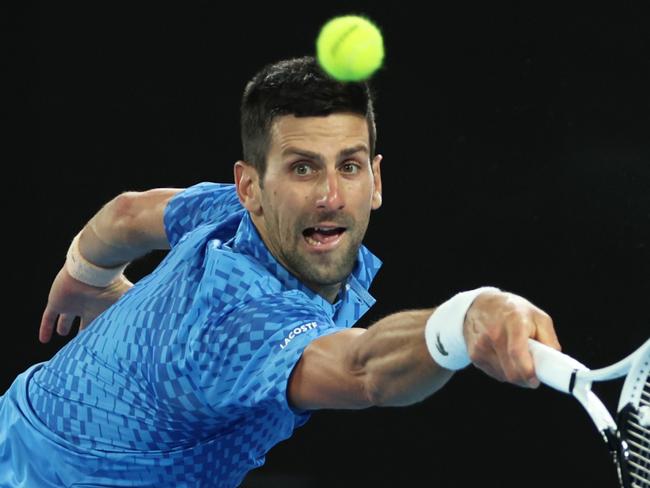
(248, 189)
(376, 174)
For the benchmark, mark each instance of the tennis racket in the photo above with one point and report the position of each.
(628, 438)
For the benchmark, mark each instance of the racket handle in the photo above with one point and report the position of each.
(552, 367)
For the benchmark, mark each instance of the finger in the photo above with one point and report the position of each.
(65, 324)
(85, 322)
(520, 360)
(488, 361)
(494, 373)
(48, 320)
(501, 349)
(545, 331)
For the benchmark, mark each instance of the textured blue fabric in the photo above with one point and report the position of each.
(183, 381)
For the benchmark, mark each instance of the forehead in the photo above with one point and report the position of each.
(331, 131)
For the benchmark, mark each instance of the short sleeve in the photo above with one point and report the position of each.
(259, 344)
(198, 204)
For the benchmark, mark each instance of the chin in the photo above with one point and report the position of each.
(325, 269)
(330, 274)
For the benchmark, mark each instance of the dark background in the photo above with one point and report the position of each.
(517, 154)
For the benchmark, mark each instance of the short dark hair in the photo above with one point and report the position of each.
(299, 87)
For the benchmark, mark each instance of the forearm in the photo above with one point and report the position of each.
(126, 228)
(391, 363)
(393, 360)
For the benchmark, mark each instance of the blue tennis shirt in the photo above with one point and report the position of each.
(183, 381)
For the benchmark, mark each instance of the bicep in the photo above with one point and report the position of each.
(325, 376)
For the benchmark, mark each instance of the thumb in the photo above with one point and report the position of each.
(86, 320)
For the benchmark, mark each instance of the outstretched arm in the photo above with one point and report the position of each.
(386, 364)
(389, 364)
(126, 228)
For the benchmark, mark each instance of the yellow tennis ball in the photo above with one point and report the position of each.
(350, 48)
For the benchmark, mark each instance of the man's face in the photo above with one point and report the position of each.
(318, 191)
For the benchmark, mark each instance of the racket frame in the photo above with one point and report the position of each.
(568, 375)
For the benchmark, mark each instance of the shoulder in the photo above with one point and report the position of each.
(286, 305)
(201, 203)
(204, 198)
(209, 190)
(237, 284)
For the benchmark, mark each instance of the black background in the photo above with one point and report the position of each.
(516, 154)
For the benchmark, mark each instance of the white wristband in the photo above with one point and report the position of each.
(86, 272)
(443, 332)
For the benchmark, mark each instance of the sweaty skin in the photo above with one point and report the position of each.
(313, 207)
(312, 211)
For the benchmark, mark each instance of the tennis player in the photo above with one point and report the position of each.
(190, 376)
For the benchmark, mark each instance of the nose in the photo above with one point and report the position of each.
(330, 196)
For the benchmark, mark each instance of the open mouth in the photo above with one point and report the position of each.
(321, 236)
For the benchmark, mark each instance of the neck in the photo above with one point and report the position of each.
(329, 292)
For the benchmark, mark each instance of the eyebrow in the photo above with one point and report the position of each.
(312, 155)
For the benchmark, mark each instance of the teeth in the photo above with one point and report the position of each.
(313, 242)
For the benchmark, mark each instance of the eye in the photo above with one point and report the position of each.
(350, 167)
(302, 169)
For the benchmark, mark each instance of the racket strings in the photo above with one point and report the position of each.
(637, 437)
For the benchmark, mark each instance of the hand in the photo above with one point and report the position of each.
(70, 298)
(496, 329)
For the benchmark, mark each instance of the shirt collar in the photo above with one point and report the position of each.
(248, 241)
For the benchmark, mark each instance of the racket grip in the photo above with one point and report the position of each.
(552, 367)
